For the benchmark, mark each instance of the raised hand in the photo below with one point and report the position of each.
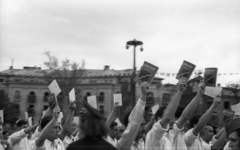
(201, 87)
(144, 86)
(72, 106)
(182, 84)
(56, 112)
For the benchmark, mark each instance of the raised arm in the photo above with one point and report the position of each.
(135, 120)
(113, 116)
(221, 141)
(47, 129)
(206, 116)
(173, 105)
(191, 107)
(68, 122)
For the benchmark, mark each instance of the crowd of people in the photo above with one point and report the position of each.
(164, 131)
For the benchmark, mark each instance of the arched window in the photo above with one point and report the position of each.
(31, 110)
(101, 97)
(17, 95)
(31, 97)
(45, 97)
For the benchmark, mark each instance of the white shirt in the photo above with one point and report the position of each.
(135, 120)
(48, 145)
(138, 146)
(205, 145)
(19, 141)
(67, 141)
(192, 141)
(112, 141)
(178, 138)
(158, 138)
(36, 133)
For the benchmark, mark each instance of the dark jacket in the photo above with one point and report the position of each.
(87, 144)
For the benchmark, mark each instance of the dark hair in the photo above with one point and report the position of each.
(160, 112)
(45, 121)
(112, 125)
(93, 128)
(21, 122)
(194, 120)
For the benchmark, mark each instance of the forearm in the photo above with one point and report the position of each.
(203, 120)
(67, 124)
(45, 132)
(171, 109)
(220, 142)
(135, 120)
(30, 129)
(148, 126)
(47, 113)
(188, 111)
(16, 137)
(110, 119)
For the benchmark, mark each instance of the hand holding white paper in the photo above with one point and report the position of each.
(30, 121)
(54, 88)
(117, 98)
(92, 100)
(155, 109)
(213, 91)
(72, 95)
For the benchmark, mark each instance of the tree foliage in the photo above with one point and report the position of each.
(68, 75)
(9, 109)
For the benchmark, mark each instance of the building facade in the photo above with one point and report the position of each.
(28, 88)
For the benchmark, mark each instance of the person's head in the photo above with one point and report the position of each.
(159, 113)
(113, 132)
(93, 123)
(233, 133)
(194, 121)
(207, 133)
(141, 131)
(21, 124)
(55, 130)
(120, 132)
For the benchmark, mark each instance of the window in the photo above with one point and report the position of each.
(226, 105)
(17, 95)
(101, 109)
(31, 110)
(31, 97)
(101, 97)
(1, 80)
(45, 97)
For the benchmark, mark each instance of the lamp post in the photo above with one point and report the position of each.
(134, 43)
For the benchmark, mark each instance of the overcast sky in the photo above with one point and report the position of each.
(203, 32)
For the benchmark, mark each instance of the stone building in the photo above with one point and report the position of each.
(28, 88)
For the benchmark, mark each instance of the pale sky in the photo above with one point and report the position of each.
(203, 32)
